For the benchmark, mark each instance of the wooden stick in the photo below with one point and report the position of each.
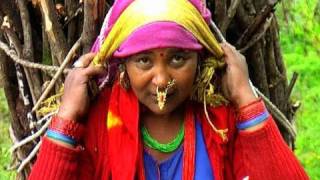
(78, 11)
(57, 40)
(33, 136)
(15, 43)
(32, 75)
(230, 14)
(89, 29)
(217, 32)
(258, 35)
(291, 84)
(57, 75)
(278, 115)
(13, 55)
(29, 157)
(258, 20)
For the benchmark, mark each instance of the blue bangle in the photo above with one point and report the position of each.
(60, 137)
(254, 121)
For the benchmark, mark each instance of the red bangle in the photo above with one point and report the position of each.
(251, 111)
(69, 128)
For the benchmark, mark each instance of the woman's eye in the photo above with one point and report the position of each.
(143, 62)
(178, 60)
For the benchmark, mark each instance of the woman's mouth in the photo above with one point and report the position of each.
(168, 97)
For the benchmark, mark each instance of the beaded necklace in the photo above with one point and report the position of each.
(165, 148)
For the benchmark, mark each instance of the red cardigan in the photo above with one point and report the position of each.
(261, 155)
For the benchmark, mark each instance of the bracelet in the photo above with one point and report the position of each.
(252, 122)
(252, 114)
(60, 137)
(250, 111)
(69, 128)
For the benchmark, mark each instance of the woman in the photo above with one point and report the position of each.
(162, 118)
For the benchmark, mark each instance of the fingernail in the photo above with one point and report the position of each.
(77, 64)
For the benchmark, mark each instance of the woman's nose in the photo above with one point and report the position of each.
(161, 78)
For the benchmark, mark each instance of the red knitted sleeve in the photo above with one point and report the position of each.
(57, 162)
(263, 154)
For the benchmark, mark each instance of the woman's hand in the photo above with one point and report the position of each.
(235, 81)
(75, 99)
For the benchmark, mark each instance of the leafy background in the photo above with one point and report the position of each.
(299, 22)
(300, 41)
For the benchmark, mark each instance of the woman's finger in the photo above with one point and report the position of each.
(227, 51)
(84, 60)
(231, 53)
(92, 70)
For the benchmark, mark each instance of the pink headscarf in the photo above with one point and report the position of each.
(153, 35)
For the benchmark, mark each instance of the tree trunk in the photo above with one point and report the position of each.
(42, 31)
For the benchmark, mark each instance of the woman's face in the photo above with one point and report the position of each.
(155, 68)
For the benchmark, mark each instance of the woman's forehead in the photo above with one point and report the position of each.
(168, 50)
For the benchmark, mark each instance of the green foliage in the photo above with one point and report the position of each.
(300, 41)
(299, 24)
(307, 90)
(4, 139)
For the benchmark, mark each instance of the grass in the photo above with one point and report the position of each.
(300, 41)
(307, 90)
(4, 139)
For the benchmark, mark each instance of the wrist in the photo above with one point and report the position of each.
(67, 114)
(252, 116)
(65, 131)
(244, 97)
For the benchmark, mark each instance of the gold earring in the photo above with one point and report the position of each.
(123, 78)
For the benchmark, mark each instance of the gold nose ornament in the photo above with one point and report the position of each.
(162, 95)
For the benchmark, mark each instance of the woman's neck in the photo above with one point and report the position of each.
(163, 127)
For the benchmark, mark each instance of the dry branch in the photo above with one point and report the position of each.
(33, 136)
(13, 55)
(220, 12)
(255, 25)
(58, 73)
(12, 37)
(57, 40)
(32, 75)
(260, 33)
(73, 16)
(291, 85)
(74, 10)
(89, 31)
(230, 14)
(29, 157)
(278, 115)
(14, 41)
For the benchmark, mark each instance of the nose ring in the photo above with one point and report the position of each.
(162, 95)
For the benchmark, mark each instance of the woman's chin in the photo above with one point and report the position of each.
(156, 110)
(167, 109)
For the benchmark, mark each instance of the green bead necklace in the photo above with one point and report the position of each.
(166, 148)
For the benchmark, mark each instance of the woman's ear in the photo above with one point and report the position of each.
(123, 76)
